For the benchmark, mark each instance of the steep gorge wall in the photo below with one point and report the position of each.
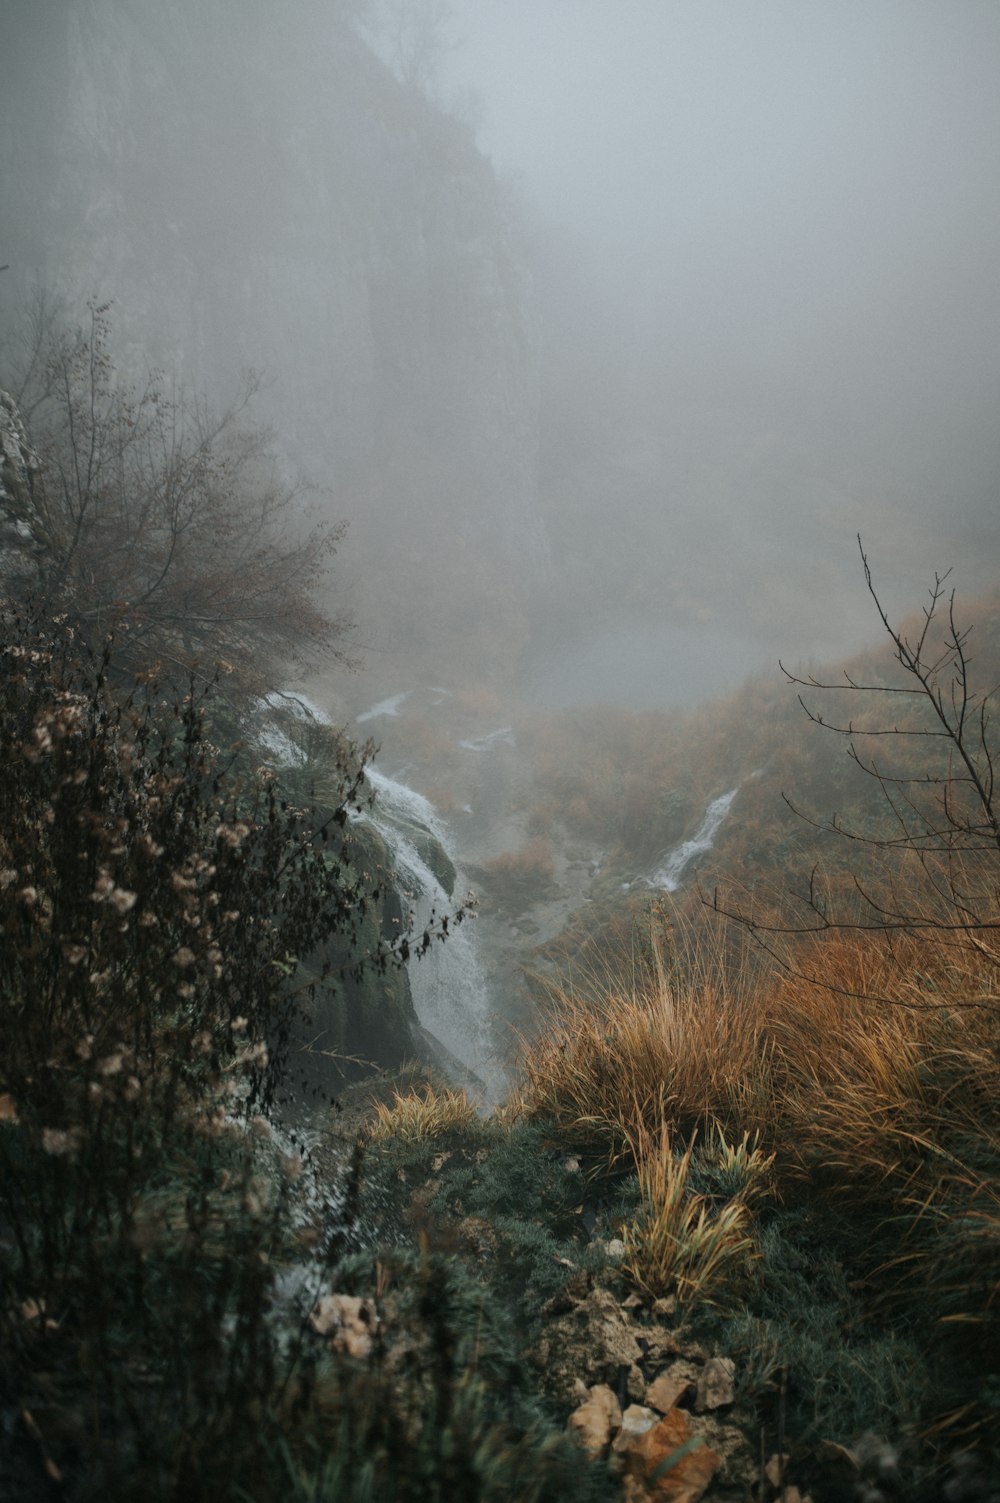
(254, 189)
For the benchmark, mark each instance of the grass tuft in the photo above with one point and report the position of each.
(681, 1243)
(422, 1115)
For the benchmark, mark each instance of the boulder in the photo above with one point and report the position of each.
(716, 1384)
(596, 1420)
(666, 1462)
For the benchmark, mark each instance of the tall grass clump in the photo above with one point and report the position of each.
(681, 1041)
(422, 1114)
(682, 1242)
(863, 1073)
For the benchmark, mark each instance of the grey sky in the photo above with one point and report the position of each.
(680, 121)
(795, 205)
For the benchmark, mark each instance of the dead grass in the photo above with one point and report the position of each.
(686, 1046)
(422, 1115)
(860, 1067)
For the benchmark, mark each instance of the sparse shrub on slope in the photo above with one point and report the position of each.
(153, 907)
(848, 1022)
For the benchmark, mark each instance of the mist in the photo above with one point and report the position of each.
(609, 361)
(783, 222)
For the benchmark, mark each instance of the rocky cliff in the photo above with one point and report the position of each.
(254, 188)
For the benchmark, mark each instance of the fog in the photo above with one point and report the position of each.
(606, 326)
(783, 222)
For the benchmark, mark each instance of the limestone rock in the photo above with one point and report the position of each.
(740, 1460)
(650, 1474)
(594, 1340)
(774, 1471)
(636, 1420)
(666, 1391)
(596, 1421)
(666, 1306)
(479, 1236)
(348, 1320)
(716, 1386)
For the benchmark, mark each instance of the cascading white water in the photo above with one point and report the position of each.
(450, 993)
(668, 877)
(448, 984)
(388, 707)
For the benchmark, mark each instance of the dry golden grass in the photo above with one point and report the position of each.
(859, 1065)
(422, 1115)
(687, 1049)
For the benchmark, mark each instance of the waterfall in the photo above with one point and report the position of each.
(668, 877)
(448, 984)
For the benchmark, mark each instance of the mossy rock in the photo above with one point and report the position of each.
(361, 1018)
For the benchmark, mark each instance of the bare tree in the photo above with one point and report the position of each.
(176, 521)
(927, 741)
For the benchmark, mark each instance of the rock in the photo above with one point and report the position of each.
(740, 1458)
(596, 1421)
(636, 1420)
(666, 1306)
(578, 1285)
(667, 1462)
(774, 1471)
(593, 1340)
(666, 1391)
(348, 1320)
(615, 1249)
(479, 1236)
(716, 1386)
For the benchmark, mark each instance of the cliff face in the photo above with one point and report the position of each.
(254, 189)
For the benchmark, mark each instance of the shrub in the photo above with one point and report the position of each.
(150, 503)
(154, 905)
(681, 1042)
